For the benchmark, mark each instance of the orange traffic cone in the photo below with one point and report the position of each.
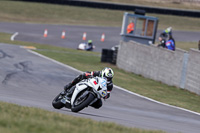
(63, 35)
(84, 35)
(103, 37)
(45, 32)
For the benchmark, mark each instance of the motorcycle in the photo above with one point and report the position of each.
(84, 46)
(86, 92)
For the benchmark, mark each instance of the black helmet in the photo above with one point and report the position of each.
(163, 35)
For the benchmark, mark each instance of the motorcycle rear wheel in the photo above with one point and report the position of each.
(84, 103)
(56, 103)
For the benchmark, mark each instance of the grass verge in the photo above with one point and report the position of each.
(187, 45)
(14, 11)
(135, 83)
(19, 119)
(191, 5)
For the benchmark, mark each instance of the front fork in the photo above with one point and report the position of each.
(93, 101)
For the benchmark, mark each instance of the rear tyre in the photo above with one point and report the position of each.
(80, 104)
(57, 104)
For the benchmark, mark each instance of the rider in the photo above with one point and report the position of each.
(90, 45)
(170, 42)
(106, 73)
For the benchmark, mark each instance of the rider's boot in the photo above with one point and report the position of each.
(67, 87)
(70, 91)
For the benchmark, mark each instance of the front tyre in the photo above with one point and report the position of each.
(57, 104)
(80, 104)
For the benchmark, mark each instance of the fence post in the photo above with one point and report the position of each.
(184, 70)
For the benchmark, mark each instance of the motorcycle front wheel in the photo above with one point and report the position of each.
(56, 103)
(81, 103)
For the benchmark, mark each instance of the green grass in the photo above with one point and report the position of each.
(187, 45)
(89, 61)
(19, 119)
(12, 11)
(159, 3)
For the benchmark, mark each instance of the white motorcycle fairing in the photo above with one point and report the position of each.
(98, 84)
(78, 89)
(84, 46)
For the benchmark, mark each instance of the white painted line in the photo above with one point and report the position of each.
(116, 85)
(156, 101)
(55, 61)
(13, 36)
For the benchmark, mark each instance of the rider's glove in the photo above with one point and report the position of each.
(88, 75)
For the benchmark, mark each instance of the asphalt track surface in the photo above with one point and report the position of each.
(31, 80)
(34, 33)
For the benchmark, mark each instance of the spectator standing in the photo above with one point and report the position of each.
(130, 27)
(166, 39)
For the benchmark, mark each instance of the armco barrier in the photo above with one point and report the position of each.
(125, 7)
(175, 68)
